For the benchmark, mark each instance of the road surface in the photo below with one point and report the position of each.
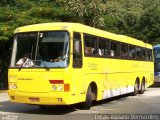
(125, 106)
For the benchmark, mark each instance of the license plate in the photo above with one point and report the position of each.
(34, 99)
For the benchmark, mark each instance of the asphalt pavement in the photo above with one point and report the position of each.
(126, 107)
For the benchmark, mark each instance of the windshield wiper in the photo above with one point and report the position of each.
(21, 65)
(29, 64)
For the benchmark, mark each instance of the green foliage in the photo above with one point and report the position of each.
(89, 12)
(7, 2)
(16, 13)
(135, 18)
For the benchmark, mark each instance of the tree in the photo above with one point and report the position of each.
(89, 12)
(150, 23)
(130, 18)
(127, 13)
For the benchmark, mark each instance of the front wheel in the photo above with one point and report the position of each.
(88, 102)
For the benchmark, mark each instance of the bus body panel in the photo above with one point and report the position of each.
(35, 83)
(35, 80)
(112, 80)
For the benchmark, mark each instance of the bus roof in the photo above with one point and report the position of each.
(77, 27)
(149, 46)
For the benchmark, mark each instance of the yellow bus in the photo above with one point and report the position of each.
(67, 63)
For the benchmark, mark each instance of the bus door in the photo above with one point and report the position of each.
(77, 75)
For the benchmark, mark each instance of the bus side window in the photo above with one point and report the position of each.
(77, 50)
(150, 56)
(139, 53)
(124, 50)
(104, 47)
(132, 52)
(144, 53)
(94, 45)
(87, 47)
(90, 43)
(115, 49)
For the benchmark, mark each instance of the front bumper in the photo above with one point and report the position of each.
(51, 98)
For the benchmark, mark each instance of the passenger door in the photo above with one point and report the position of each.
(77, 76)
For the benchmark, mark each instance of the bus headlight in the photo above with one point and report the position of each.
(54, 87)
(57, 87)
(60, 87)
(12, 86)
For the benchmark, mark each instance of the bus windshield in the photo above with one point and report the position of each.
(41, 49)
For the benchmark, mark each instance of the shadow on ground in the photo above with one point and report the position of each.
(7, 106)
(156, 84)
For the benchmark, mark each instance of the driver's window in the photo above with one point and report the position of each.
(77, 50)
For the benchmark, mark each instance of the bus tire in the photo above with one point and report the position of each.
(142, 89)
(136, 88)
(88, 102)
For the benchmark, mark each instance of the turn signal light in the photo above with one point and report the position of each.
(66, 87)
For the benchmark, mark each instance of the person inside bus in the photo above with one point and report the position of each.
(100, 51)
(60, 58)
(85, 50)
(112, 53)
(25, 61)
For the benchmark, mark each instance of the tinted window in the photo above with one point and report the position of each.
(132, 52)
(124, 50)
(77, 50)
(115, 51)
(104, 47)
(140, 52)
(90, 45)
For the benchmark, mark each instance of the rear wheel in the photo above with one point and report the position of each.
(136, 88)
(88, 102)
(142, 89)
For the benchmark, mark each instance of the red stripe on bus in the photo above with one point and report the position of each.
(56, 81)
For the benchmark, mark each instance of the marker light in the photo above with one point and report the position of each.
(56, 81)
